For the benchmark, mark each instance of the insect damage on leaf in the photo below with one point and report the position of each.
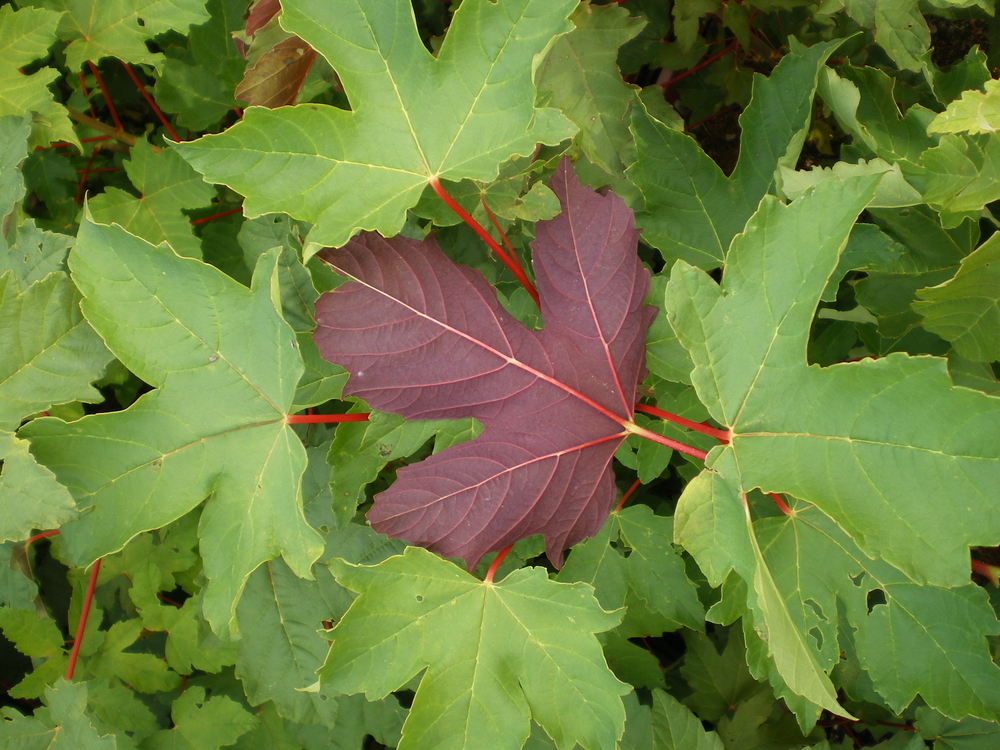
(427, 339)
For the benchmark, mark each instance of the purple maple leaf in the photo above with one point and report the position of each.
(426, 339)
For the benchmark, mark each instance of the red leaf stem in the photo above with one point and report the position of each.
(496, 563)
(492, 243)
(217, 216)
(625, 497)
(84, 173)
(721, 435)
(779, 501)
(324, 418)
(84, 612)
(496, 225)
(650, 435)
(43, 535)
(707, 61)
(149, 100)
(107, 97)
(991, 572)
(61, 144)
(100, 169)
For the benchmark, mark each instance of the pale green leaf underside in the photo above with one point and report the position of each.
(914, 490)
(415, 117)
(226, 367)
(496, 655)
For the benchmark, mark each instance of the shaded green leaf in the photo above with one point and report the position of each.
(965, 310)
(580, 77)
(692, 209)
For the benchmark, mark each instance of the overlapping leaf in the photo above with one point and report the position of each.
(226, 366)
(199, 86)
(692, 209)
(168, 185)
(120, 28)
(50, 356)
(966, 309)
(580, 77)
(426, 339)
(415, 117)
(913, 491)
(495, 654)
(795, 427)
(907, 636)
(25, 36)
(649, 579)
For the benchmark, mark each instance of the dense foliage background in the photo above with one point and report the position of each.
(187, 555)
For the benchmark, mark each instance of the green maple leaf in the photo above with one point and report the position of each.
(225, 366)
(692, 209)
(199, 85)
(167, 185)
(202, 724)
(580, 76)
(65, 723)
(914, 487)
(495, 654)
(649, 581)
(794, 427)
(965, 310)
(415, 117)
(25, 36)
(932, 256)
(864, 102)
(904, 633)
(676, 728)
(120, 28)
(40, 365)
(961, 176)
(975, 112)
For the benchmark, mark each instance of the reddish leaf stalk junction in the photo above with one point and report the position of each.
(510, 261)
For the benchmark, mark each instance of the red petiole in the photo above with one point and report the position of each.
(721, 435)
(324, 418)
(513, 266)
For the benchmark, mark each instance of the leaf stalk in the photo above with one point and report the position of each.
(513, 266)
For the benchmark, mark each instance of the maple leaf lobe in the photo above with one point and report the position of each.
(425, 338)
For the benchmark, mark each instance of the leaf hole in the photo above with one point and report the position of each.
(817, 635)
(875, 598)
(140, 21)
(856, 580)
(419, 598)
(817, 610)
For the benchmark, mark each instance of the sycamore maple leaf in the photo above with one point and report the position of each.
(415, 117)
(427, 339)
